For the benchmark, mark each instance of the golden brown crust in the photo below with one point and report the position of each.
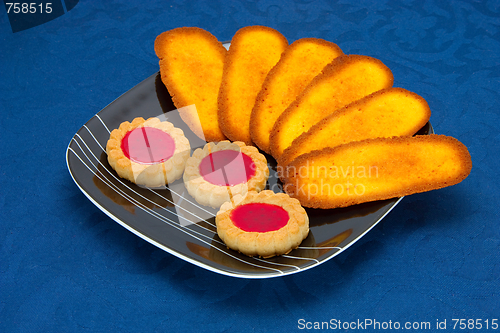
(385, 113)
(253, 52)
(208, 194)
(346, 79)
(155, 175)
(298, 65)
(264, 244)
(377, 169)
(191, 64)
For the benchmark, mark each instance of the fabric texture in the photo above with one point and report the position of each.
(67, 267)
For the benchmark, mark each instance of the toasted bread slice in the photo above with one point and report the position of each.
(191, 64)
(377, 169)
(298, 65)
(253, 52)
(343, 81)
(385, 113)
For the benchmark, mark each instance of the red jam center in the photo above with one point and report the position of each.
(259, 217)
(227, 168)
(148, 145)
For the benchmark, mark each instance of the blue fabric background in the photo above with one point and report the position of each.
(66, 267)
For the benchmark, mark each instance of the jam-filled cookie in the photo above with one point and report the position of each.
(219, 171)
(262, 224)
(148, 152)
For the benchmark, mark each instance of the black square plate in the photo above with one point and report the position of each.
(159, 216)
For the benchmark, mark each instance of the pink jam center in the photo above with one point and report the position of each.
(148, 145)
(227, 168)
(259, 217)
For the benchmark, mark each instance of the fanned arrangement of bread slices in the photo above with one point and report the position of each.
(339, 130)
(299, 64)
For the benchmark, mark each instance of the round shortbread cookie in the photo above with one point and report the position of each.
(148, 152)
(262, 224)
(220, 171)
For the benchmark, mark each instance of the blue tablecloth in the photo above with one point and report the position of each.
(67, 267)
